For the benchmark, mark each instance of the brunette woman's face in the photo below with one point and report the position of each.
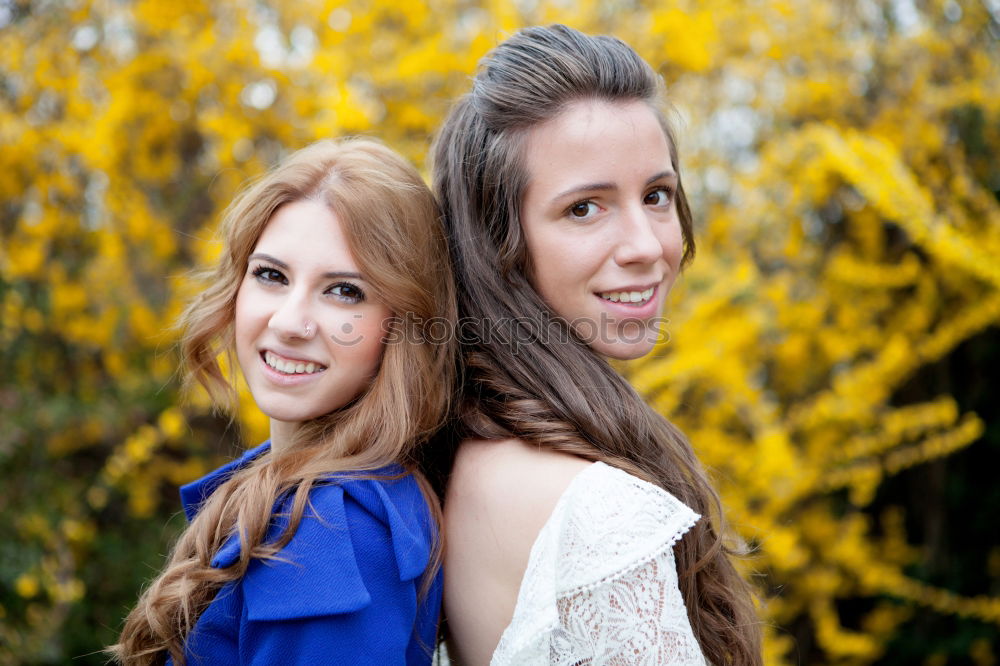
(600, 222)
(308, 334)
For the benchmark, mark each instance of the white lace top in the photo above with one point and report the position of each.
(601, 583)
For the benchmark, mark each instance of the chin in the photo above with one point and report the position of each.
(291, 414)
(623, 351)
(628, 347)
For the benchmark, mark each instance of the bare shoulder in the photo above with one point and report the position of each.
(501, 493)
(512, 473)
(499, 497)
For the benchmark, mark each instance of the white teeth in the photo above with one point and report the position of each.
(291, 367)
(628, 296)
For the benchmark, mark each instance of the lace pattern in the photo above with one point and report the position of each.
(601, 583)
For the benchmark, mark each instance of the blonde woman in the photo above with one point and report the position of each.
(320, 545)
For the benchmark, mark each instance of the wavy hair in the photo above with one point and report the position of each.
(393, 227)
(562, 394)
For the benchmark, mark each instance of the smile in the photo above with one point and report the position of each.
(291, 367)
(638, 297)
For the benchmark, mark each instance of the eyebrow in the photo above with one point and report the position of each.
(603, 187)
(284, 266)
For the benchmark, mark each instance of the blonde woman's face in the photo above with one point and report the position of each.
(308, 333)
(600, 222)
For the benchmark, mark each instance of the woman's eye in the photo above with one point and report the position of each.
(266, 275)
(348, 292)
(658, 197)
(583, 209)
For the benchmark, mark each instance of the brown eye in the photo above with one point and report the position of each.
(350, 293)
(267, 275)
(658, 197)
(583, 209)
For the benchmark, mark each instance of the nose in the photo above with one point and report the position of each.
(637, 241)
(291, 318)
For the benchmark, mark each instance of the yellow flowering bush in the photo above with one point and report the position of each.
(841, 159)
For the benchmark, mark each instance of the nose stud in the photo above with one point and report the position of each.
(308, 330)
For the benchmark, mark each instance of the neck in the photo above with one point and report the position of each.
(281, 435)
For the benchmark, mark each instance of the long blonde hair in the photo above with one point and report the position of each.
(564, 396)
(392, 224)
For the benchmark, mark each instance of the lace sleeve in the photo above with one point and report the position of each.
(601, 583)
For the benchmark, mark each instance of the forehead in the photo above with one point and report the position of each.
(597, 139)
(307, 231)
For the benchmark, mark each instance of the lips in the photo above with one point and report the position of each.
(633, 295)
(291, 366)
(628, 296)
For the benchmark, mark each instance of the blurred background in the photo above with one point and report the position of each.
(834, 353)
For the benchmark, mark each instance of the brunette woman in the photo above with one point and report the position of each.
(581, 527)
(320, 545)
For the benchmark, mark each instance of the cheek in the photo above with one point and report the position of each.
(367, 357)
(368, 351)
(673, 244)
(572, 264)
(556, 262)
(240, 315)
(245, 314)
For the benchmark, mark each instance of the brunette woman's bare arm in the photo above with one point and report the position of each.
(499, 496)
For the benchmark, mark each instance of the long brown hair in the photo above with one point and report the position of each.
(546, 386)
(392, 224)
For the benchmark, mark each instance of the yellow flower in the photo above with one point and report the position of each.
(26, 586)
(172, 423)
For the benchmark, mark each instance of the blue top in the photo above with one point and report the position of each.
(345, 589)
